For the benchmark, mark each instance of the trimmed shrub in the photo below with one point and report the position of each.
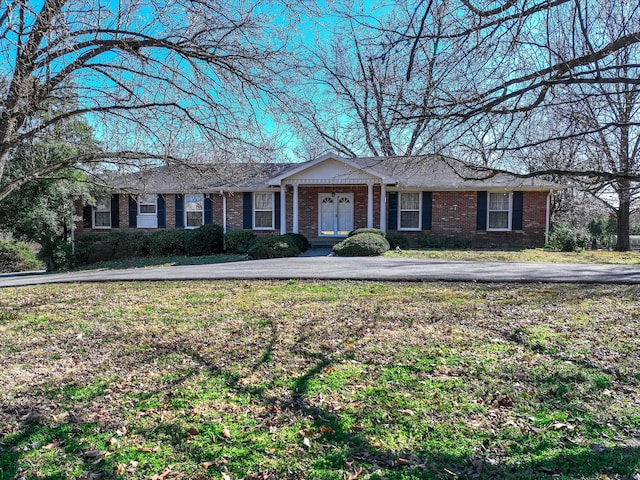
(362, 245)
(298, 240)
(239, 241)
(17, 257)
(358, 231)
(273, 247)
(204, 240)
(168, 243)
(108, 246)
(565, 238)
(397, 240)
(430, 241)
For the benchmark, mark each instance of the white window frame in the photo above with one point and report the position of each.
(186, 210)
(510, 214)
(155, 204)
(400, 210)
(272, 210)
(96, 209)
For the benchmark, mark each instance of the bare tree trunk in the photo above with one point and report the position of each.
(622, 213)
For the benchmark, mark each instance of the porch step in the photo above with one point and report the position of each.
(324, 241)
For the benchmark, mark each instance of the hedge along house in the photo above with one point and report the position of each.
(326, 198)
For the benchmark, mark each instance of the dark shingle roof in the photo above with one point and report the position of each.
(432, 172)
(442, 173)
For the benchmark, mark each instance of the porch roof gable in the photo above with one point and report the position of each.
(329, 169)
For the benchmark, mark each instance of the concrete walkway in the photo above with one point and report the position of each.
(350, 268)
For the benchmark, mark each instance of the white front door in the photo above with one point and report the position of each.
(335, 214)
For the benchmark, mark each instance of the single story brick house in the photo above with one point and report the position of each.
(327, 197)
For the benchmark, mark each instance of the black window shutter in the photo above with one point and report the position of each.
(87, 216)
(208, 211)
(392, 221)
(179, 211)
(162, 212)
(247, 211)
(276, 201)
(115, 211)
(427, 203)
(481, 215)
(518, 204)
(133, 212)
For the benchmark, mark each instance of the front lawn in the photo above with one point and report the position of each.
(319, 380)
(522, 255)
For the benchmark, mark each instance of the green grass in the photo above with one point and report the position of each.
(522, 255)
(322, 380)
(142, 262)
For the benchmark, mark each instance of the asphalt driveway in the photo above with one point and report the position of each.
(351, 268)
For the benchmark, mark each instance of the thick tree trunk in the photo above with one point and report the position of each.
(622, 214)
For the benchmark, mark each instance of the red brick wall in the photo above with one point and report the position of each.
(453, 215)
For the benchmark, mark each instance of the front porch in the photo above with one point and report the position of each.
(328, 198)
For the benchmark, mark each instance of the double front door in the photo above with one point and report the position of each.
(335, 214)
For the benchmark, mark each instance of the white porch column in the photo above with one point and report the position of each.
(369, 205)
(224, 213)
(383, 208)
(295, 208)
(283, 209)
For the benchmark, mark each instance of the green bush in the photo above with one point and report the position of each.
(430, 241)
(565, 238)
(103, 247)
(17, 257)
(167, 243)
(204, 240)
(397, 240)
(298, 240)
(56, 253)
(601, 230)
(362, 245)
(239, 241)
(358, 231)
(273, 247)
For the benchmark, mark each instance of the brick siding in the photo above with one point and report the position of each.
(453, 215)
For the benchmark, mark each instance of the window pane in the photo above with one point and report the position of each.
(499, 220)
(409, 201)
(498, 201)
(194, 219)
(409, 219)
(147, 209)
(103, 219)
(263, 201)
(263, 220)
(194, 202)
(103, 204)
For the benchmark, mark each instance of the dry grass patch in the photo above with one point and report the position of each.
(524, 255)
(328, 380)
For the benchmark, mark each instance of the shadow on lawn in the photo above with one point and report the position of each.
(354, 451)
(345, 450)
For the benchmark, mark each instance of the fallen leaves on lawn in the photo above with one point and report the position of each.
(162, 475)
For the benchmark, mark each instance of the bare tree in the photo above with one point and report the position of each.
(544, 89)
(354, 97)
(149, 76)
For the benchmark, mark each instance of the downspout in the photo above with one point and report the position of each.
(548, 217)
(224, 211)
